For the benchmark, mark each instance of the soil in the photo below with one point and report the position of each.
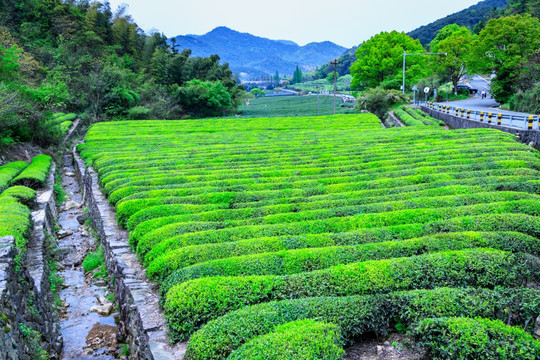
(395, 347)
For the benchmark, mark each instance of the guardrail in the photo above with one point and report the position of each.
(531, 122)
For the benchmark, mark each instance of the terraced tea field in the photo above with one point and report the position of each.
(317, 231)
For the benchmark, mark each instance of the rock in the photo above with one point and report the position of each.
(103, 310)
(63, 233)
(83, 217)
(71, 205)
(386, 343)
(536, 333)
(380, 350)
(531, 144)
(70, 174)
(84, 233)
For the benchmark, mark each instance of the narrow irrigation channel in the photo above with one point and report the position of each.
(87, 322)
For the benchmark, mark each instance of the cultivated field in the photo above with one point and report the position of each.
(316, 231)
(279, 106)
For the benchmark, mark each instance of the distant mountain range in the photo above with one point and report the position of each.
(253, 56)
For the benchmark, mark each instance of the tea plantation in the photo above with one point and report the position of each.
(315, 231)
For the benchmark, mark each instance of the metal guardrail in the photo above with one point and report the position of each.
(531, 122)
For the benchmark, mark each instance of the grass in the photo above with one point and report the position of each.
(93, 260)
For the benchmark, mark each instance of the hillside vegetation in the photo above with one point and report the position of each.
(319, 230)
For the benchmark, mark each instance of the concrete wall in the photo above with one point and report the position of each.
(530, 137)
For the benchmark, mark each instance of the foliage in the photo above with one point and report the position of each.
(380, 59)
(297, 76)
(466, 338)
(35, 174)
(23, 194)
(456, 42)
(379, 101)
(473, 17)
(9, 171)
(297, 340)
(81, 56)
(360, 315)
(527, 101)
(93, 260)
(504, 46)
(205, 99)
(237, 217)
(287, 106)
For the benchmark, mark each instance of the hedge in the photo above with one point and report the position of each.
(297, 340)
(174, 236)
(466, 338)
(360, 315)
(35, 175)
(14, 220)
(193, 303)
(9, 171)
(288, 262)
(22, 193)
(317, 210)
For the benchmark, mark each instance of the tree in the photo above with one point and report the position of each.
(276, 78)
(205, 98)
(8, 63)
(504, 47)
(380, 60)
(297, 76)
(456, 41)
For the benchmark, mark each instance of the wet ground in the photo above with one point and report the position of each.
(87, 334)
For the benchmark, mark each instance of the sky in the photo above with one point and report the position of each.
(344, 22)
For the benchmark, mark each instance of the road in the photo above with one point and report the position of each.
(478, 104)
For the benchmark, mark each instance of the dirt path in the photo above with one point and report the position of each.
(87, 334)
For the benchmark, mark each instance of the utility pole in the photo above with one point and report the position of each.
(423, 54)
(335, 62)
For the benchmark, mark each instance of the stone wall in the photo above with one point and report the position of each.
(530, 137)
(29, 326)
(142, 323)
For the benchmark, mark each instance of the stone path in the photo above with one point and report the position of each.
(87, 334)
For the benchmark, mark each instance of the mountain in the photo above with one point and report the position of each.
(253, 56)
(469, 17)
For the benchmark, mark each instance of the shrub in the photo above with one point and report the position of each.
(21, 193)
(466, 338)
(35, 174)
(9, 171)
(193, 303)
(378, 101)
(288, 262)
(359, 315)
(14, 220)
(93, 260)
(139, 113)
(297, 340)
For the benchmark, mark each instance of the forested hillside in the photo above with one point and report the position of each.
(81, 56)
(470, 17)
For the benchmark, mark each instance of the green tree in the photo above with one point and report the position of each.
(456, 41)
(8, 63)
(205, 98)
(297, 76)
(276, 78)
(504, 47)
(380, 61)
(523, 7)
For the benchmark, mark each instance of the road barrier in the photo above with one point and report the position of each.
(531, 122)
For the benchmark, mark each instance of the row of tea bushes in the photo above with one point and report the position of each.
(230, 215)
